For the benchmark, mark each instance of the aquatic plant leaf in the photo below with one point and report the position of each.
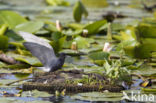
(26, 59)
(36, 93)
(3, 29)
(2, 65)
(50, 26)
(117, 27)
(146, 31)
(11, 18)
(17, 44)
(56, 36)
(115, 72)
(75, 26)
(149, 90)
(99, 55)
(142, 50)
(13, 37)
(31, 26)
(70, 32)
(16, 66)
(95, 3)
(129, 34)
(3, 42)
(94, 27)
(57, 2)
(79, 10)
(57, 45)
(98, 96)
(15, 100)
(99, 62)
(83, 42)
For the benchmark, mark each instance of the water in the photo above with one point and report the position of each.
(37, 9)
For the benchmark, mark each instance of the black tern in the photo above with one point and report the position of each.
(41, 49)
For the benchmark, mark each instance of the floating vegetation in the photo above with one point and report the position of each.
(108, 49)
(71, 81)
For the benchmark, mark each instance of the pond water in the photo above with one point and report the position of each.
(37, 9)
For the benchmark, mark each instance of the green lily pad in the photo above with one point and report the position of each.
(94, 27)
(58, 2)
(12, 19)
(83, 42)
(146, 31)
(26, 59)
(99, 55)
(31, 26)
(129, 34)
(98, 96)
(36, 93)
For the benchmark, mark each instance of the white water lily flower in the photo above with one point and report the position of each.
(107, 47)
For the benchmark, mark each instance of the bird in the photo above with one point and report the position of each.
(41, 49)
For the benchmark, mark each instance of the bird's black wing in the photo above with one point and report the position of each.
(43, 53)
(28, 37)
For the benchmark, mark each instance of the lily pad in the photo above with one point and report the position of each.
(83, 42)
(58, 2)
(36, 93)
(99, 55)
(146, 31)
(98, 96)
(26, 59)
(12, 19)
(94, 27)
(31, 26)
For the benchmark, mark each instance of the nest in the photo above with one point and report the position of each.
(69, 87)
(51, 82)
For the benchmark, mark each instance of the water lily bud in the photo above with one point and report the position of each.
(116, 3)
(74, 46)
(58, 25)
(107, 47)
(85, 32)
